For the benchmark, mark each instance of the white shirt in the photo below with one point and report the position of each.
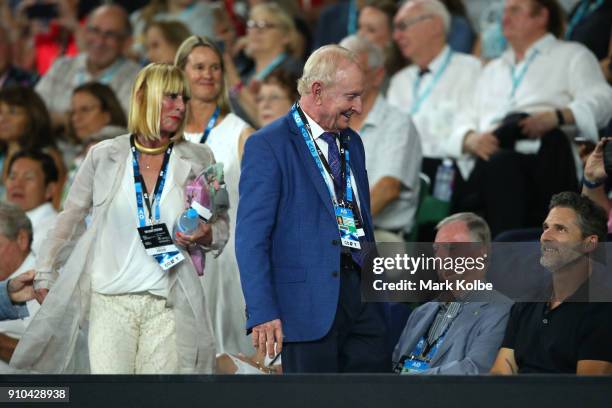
(561, 74)
(435, 117)
(317, 131)
(120, 263)
(16, 328)
(393, 149)
(42, 219)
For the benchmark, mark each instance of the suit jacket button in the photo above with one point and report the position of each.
(335, 274)
(335, 242)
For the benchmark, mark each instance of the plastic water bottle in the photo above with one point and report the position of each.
(187, 223)
(443, 189)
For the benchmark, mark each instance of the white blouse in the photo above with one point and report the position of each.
(121, 264)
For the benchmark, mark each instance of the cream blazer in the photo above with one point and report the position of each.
(55, 341)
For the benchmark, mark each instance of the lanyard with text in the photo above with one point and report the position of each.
(349, 234)
(270, 67)
(141, 189)
(420, 358)
(419, 99)
(517, 77)
(585, 8)
(154, 235)
(211, 124)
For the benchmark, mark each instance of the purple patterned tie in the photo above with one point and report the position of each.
(333, 159)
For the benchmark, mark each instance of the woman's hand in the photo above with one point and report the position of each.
(201, 236)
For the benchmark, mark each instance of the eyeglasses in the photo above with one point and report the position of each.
(260, 25)
(406, 24)
(106, 35)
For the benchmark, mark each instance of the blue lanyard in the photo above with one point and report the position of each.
(351, 27)
(584, 9)
(271, 67)
(141, 189)
(518, 78)
(316, 154)
(419, 99)
(210, 126)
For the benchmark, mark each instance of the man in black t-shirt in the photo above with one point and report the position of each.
(572, 332)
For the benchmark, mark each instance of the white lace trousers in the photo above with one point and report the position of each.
(131, 334)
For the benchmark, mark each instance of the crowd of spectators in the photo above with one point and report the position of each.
(514, 94)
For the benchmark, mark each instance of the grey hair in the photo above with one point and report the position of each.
(361, 45)
(476, 225)
(322, 66)
(435, 7)
(12, 220)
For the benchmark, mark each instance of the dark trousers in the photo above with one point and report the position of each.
(355, 342)
(512, 190)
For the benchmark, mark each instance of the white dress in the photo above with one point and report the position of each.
(221, 278)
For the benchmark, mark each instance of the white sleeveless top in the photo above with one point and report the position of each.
(221, 281)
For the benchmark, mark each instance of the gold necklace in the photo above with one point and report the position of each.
(150, 150)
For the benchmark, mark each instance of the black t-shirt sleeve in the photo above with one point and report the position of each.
(513, 321)
(595, 337)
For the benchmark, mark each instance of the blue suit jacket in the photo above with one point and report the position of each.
(287, 241)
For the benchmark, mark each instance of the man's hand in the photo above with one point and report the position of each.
(538, 124)
(20, 289)
(594, 170)
(266, 335)
(483, 145)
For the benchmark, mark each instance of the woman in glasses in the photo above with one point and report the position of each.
(271, 41)
(127, 279)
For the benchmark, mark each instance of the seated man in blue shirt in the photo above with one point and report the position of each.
(15, 283)
(460, 336)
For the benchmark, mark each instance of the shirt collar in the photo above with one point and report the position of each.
(40, 212)
(436, 63)
(316, 130)
(542, 45)
(82, 66)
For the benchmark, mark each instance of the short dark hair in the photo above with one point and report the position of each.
(46, 162)
(556, 16)
(592, 219)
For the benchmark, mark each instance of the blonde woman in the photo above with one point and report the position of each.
(210, 122)
(144, 315)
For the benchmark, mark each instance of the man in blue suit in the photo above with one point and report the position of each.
(303, 226)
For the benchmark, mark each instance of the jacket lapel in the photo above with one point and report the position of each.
(182, 167)
(308, 162)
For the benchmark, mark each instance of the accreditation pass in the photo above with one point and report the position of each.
(158, 244)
